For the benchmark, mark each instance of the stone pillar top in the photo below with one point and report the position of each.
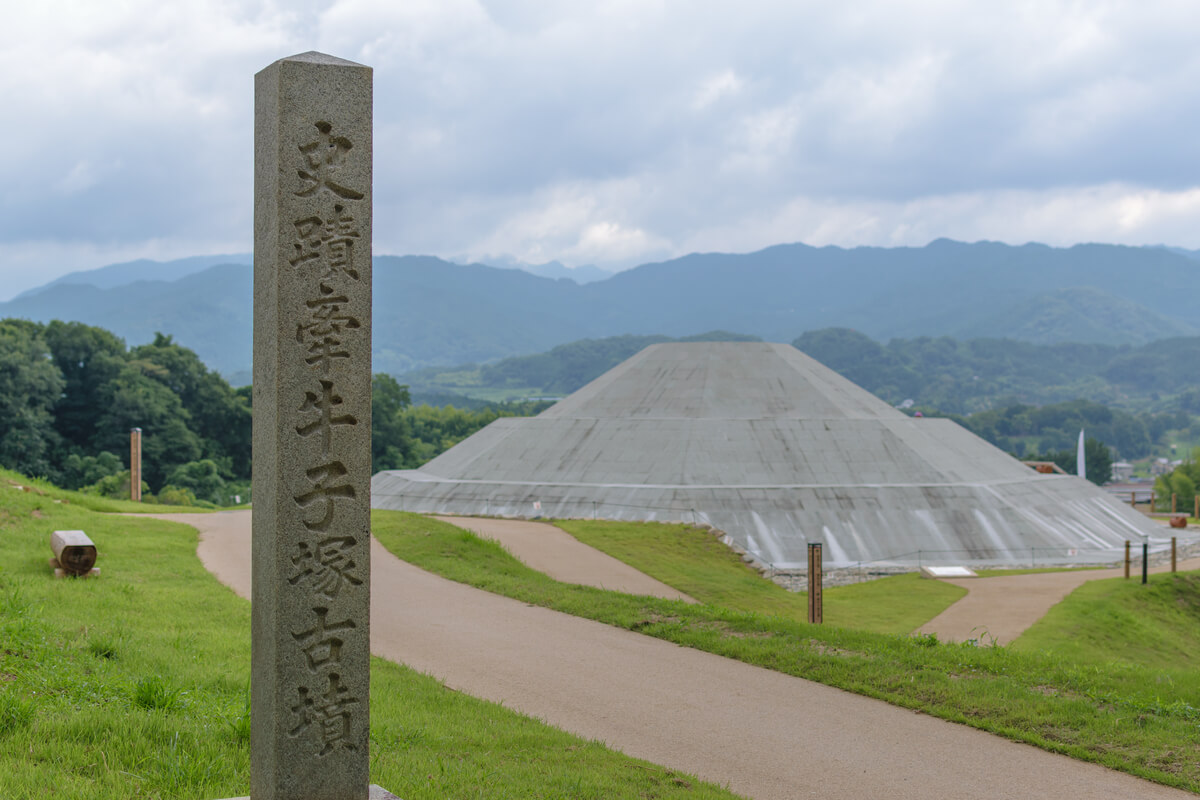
(315, 57)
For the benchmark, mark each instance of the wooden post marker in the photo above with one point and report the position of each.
(1173, 551)
(1126, 559)
(135, 464)
(815, 584)
(310, 655)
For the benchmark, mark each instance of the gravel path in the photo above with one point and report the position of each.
(1003, 608)
(554, 552)
(763, 734)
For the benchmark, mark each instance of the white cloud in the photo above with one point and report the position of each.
(619, 129)
(716, 87)
(1109, 213)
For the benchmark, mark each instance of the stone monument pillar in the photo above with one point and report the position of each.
(312, 431)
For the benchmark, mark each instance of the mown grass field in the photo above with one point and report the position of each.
(1133, 716)
(135, 685)
(1122, 622)
(704, 568)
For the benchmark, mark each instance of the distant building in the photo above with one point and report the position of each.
(1163, 466)
(1121, 471)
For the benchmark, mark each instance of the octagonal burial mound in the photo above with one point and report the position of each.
(776, 450)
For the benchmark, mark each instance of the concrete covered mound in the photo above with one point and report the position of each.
(776, 450)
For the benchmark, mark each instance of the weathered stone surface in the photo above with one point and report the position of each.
(74, 552)
(312, 430)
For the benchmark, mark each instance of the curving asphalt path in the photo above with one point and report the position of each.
(1004, 607)
(554, 552)
(761, 733)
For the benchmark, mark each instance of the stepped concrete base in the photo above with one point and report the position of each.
(376, 793)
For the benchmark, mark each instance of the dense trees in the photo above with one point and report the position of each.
(404, 436)
(30, 385)
(391, 439)
(963, 376)
(1027, 430)
(69, 394)
(1182, 483)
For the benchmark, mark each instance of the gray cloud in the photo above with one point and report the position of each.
(617, 131)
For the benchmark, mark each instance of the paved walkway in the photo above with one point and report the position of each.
(1003, 608)
(554, 552)
(762, 733)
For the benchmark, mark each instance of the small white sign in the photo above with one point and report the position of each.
(537, 505)
(947, 572)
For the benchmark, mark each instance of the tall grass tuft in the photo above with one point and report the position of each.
(153, 694)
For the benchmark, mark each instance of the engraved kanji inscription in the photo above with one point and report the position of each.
(322, 643)
(329, 711)
(329, 484)
(326, 567)
(325, 404)
(326, 244)
(327, 323)
(326, 315)
(323, 158)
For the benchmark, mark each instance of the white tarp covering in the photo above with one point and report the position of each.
(768, 445)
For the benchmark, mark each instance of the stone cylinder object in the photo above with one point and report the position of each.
(74, 552)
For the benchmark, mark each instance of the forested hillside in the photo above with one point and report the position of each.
(70, 393)
(556, 373)
(1025, 398)
(977, 374)
(950, 375)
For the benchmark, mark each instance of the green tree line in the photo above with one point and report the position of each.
(70, 393)
(965, 376)
(1182, 482)
(1026, 430)
(404, 436)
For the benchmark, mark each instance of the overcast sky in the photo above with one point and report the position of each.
(612, 132)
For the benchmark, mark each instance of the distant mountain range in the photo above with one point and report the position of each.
(586, 273)
(144, 269)
(433, 312)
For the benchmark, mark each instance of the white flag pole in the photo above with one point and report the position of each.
(1080, 461)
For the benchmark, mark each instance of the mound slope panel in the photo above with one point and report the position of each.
(777, 450)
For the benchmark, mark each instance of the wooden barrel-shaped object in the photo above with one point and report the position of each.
(1179, 521)
(76, 553)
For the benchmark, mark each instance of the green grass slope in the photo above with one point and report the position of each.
(135, 685)
(1156, 625)
(1128, 719)
(697, 563)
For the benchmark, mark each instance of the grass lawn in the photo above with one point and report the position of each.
(135, 685)
(11, 481)
(698, 564)
(1122, 621)
(1136, 718)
